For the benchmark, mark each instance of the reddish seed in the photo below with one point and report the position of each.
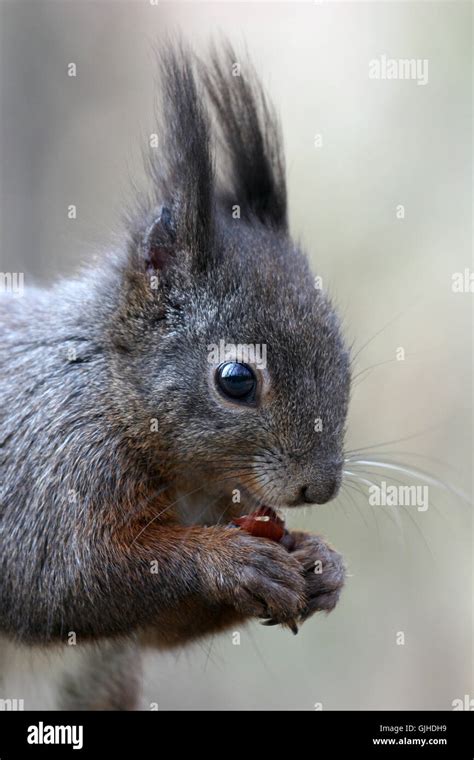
(263, 523)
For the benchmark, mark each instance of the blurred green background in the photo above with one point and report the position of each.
(383, 143)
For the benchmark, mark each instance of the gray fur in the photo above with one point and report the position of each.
(88, 363)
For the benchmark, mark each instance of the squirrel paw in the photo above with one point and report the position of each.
(267, 582)
(324, 572)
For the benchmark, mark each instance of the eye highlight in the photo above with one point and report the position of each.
(236, 381)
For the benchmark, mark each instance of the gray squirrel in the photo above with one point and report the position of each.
(125, 451)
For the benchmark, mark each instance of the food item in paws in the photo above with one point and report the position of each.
(265, 523)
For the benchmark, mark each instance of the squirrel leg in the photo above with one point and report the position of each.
(107, 676)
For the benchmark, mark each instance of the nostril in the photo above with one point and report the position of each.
(321, 492)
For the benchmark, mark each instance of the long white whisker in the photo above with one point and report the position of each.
(396, 518)
(381, 457)
(438, 510)
(353, 486)
(363, 449)
(412, 519)
(362, 480)
(416, 473)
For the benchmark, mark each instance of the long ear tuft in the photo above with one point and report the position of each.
(182, 171)
(252, 136)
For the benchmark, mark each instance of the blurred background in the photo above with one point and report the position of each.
(357, 150)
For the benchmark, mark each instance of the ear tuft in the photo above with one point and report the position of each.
(183, 172)
(252, 140)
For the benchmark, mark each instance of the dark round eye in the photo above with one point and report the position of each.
(237, 381)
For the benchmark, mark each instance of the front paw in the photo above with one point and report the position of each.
(324, 572)
(263, 580)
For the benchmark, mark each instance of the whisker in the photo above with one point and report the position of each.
(410, 516)
(396, 518)
(404, 453)
(350, 484)
(414, 472)
(393, 441)
(163, 511)
(369, 341)
(232, 476)
(365, 372)
(437, 509)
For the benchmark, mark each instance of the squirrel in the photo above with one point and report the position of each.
(127, 447)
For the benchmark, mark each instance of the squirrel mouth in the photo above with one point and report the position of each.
(255, 504)
(264, 516)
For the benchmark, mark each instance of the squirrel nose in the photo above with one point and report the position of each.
(320, 492)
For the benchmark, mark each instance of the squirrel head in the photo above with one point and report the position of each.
(229, 363)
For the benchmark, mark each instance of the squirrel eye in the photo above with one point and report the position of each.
(237, 381)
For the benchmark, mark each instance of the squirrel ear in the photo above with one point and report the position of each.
(159, 241)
